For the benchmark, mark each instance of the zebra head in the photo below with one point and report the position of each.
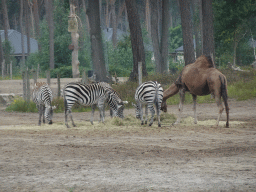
(49, 113)
(137, 110)
(115, 103)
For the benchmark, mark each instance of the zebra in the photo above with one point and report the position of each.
(91, 95)
(42, 97)
(147, 94)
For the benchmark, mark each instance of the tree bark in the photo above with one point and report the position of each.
(136, 39)
(36, 17)
(187, 33)
(197, 25)
(22, 35)
(27, 26)
(165, 35)
(99, 67)
(75, 43)
(6, 20)
(155, 35)
(208, 34)
(114, 22)
(49, 13)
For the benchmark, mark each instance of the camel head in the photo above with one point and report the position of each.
(164, 106)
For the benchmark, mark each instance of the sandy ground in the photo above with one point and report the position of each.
(130, 157)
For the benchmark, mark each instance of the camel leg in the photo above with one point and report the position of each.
(194, 108)
(182, 98)
(221, 108)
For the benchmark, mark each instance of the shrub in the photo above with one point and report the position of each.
(21, 105)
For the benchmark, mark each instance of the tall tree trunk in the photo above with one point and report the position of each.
(99, 67)
(197, 25)
(6, 20)
(165, 35)
(155, 35)
(27, 26)
(49, 12)
(36, 17)
(208, 35)
(1, 52)
(148, 18)
(187, 33)
(136, 39)
(114, 22)
(22, 35)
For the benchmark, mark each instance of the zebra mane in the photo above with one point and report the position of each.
(39, 84)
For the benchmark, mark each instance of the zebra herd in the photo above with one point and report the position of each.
(97, 94)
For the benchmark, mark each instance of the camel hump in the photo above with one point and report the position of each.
(204, 62)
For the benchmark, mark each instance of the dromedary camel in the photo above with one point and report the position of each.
(199, 78)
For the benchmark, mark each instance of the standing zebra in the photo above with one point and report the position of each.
(148, 94)
(42, 96)
(91, 95)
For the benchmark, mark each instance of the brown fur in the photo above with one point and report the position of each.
(38, 85)
(199, 78)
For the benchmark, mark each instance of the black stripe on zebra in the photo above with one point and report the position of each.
(148, 94)
(90, 95)
(42, 96)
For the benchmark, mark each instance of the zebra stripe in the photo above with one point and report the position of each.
(91, 95)
(148, 94)
(42, 96)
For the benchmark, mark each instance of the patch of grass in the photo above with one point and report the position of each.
(21, 106)
(242, 90)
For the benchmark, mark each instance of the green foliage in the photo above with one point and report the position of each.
(175, 38)
(20, 105)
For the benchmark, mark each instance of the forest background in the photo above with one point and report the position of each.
(47, 22)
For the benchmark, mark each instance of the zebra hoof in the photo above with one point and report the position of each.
(146, 122)
(50, 122)
(159, 125)
(150, 124)
(142, 123)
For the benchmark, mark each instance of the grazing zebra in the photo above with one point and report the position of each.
(91, 95)
(148, 94)
(42, 96)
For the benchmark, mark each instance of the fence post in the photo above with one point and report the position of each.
(84, 77)
(24, 84)
(34, 76)
(3, 64)
(28, 86)
(140, 72)
(58, 81)
(38, 70)
(11, 70)
(48, 76)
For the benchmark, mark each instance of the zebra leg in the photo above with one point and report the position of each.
(158, 106)
(152, 110)
(43, 111)
(146, 114)
(39, 107)
(92, 115)
(141, 114)
(101, 105)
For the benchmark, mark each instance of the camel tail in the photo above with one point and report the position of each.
(225, 96)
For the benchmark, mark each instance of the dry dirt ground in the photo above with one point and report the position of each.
(130, 157)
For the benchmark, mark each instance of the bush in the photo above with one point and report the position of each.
(21, 105)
